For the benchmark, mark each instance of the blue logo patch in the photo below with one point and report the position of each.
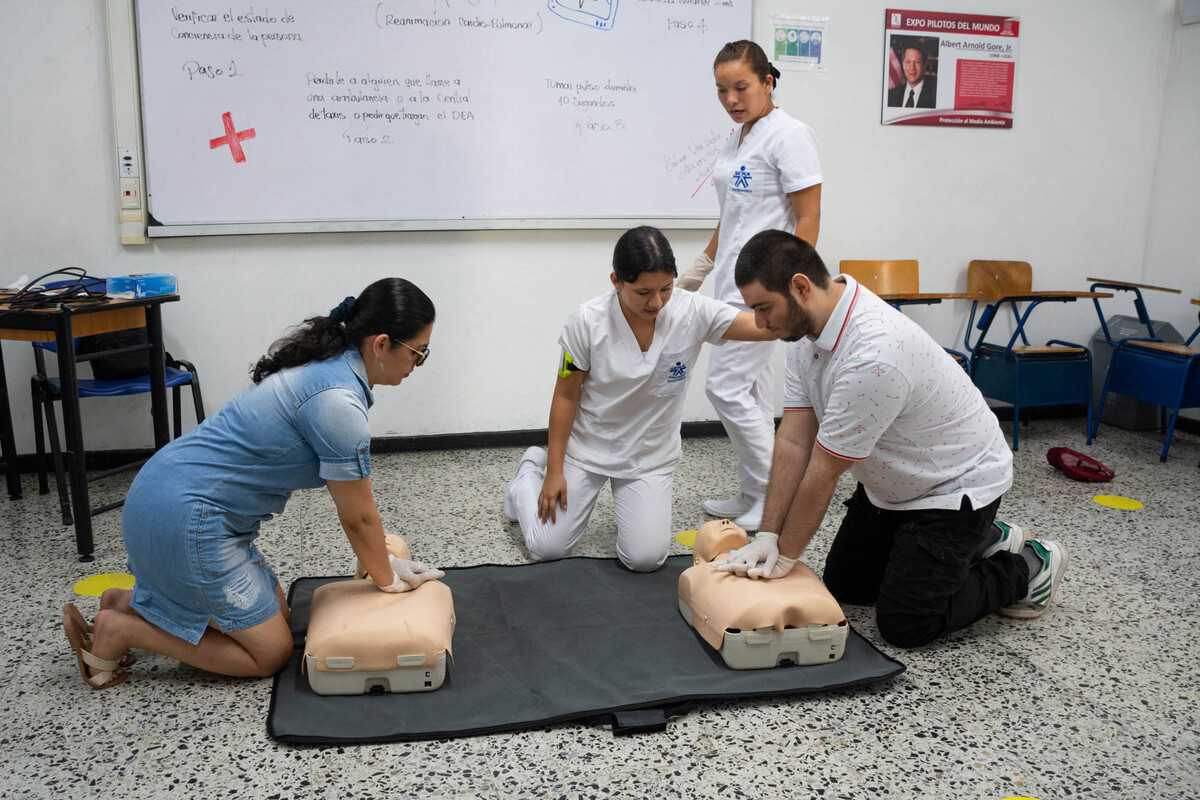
(677, 373)
(741, 179)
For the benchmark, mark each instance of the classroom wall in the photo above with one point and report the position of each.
(1171, 255)
(1069, 189)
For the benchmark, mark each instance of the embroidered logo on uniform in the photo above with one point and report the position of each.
(677, 373)
(741, 179)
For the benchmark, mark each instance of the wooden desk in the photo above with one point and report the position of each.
(1066, 296)
(1128, 285)
(1196, 301)
(925, 298)
(61, 325)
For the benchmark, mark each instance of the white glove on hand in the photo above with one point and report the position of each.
(408, 575)
(693, 279)
(758, 559)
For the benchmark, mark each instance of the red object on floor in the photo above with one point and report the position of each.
(1079, 467)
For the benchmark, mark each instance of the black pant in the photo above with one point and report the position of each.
(921, 569)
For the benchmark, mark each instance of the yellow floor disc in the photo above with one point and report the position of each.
(94, 585)
(1118, 502)
(686, 538)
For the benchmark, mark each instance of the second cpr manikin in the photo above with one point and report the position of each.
(756, 624)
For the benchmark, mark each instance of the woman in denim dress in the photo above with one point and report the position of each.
(204, 593)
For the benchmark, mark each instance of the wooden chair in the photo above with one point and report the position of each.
(1023, 374)
(885, 277)
(1148, 369)
(898, 282)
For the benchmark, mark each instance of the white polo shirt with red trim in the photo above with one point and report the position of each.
(890, 399)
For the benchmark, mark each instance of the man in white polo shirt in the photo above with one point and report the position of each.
(871, 392)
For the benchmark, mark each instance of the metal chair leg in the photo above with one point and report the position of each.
(60, 470)
(1016, 428)
(1170, 434)
(39, 435)
(1099, 417)
(177, 410)
(1088, 430)
(197, 399)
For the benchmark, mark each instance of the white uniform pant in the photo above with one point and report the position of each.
(740, 388)
(643, 508)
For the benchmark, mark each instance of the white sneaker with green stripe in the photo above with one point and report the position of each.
(1011, 540)
(1043, 587)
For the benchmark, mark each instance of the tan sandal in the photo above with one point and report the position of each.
(107, 673)
(127, 660)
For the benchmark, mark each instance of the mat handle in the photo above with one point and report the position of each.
(639, 720)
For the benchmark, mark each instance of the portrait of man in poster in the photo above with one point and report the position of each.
(918, 89)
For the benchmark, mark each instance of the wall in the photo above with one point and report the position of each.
(1172, 257)
(1068, 189)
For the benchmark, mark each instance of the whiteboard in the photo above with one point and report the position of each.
(352, 115)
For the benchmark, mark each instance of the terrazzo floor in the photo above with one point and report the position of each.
(1101, 698)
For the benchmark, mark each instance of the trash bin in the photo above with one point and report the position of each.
(1122, 410)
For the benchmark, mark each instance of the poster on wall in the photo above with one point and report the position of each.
(800, 43)
(948, 69)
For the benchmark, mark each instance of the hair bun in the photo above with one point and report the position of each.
(341, 312)
(775, 73)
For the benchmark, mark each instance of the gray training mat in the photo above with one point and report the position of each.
(536, 644)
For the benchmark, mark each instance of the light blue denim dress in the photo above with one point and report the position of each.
(194, 510)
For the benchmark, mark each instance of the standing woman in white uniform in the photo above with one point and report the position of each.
(768, 176)
(618, 405)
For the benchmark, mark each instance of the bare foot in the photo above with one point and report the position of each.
(117, 599)
(74, 618)
(96, 671)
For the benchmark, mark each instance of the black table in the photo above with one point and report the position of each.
(61, 325)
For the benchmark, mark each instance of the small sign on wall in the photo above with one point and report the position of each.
(799, 43)
(948, 69)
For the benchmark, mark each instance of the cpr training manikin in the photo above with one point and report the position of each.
(756, 624)
(361, 640)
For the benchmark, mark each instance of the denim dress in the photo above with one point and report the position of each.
(194, 510)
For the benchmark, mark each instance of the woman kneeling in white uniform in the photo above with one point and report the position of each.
(627, 356)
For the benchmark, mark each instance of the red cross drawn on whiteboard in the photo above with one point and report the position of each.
(233, 138)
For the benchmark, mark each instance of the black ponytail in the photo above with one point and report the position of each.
(752, 55)
(392, 306)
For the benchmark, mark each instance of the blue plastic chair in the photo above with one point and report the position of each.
(45, 391)
(1023, 375)
(1147, 368)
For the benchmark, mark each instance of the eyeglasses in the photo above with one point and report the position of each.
(422, 354)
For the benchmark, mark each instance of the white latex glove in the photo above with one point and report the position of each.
(408, 575)
(758, 559)
(693, 279)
